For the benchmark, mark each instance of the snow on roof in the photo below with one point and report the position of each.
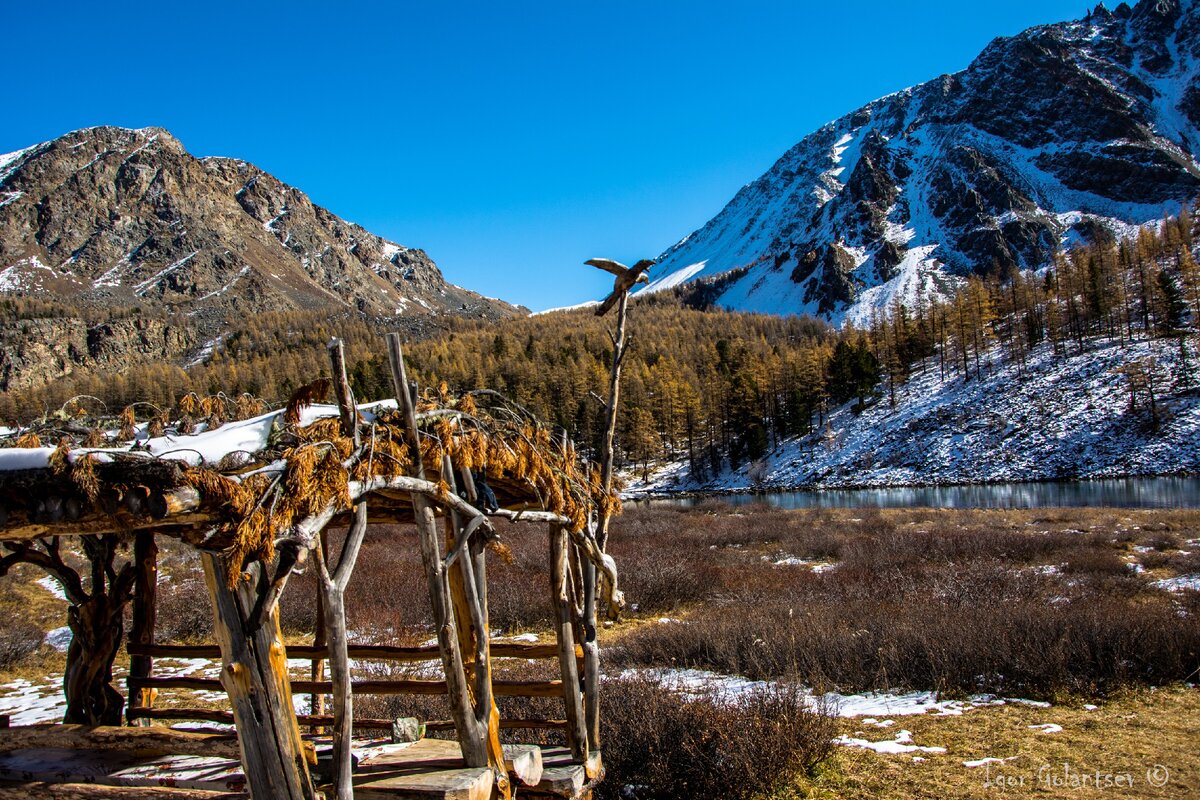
(205, 447)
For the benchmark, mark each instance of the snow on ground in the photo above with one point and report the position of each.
(1066, 418)
(676, 278)
(903, 743)
(51, 585)
(871, 706)
(1183, 583)
(59, 638)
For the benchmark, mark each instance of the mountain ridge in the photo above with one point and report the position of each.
(127, 223)
(1064, 133)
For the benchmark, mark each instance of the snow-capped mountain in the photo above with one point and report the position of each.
(1063, 133)
(117, 217)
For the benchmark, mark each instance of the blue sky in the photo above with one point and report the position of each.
(512, 141)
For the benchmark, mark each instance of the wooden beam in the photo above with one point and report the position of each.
(255, 676)
(320, 720)
(92, 791)
(138, 741)
(390, 687)
(379, 652)
(569, 668)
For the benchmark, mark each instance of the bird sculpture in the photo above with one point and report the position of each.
(627, 278)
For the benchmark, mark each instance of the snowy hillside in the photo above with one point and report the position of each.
(1067, 418)
(1051, 137)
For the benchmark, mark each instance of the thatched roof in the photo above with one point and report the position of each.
(245, 484)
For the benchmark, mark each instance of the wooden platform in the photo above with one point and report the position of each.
(431, 769)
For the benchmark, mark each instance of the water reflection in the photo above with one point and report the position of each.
(1113, 492)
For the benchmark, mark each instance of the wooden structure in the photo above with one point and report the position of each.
(254, 497)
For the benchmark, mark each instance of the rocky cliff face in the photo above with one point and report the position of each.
(110, 217)
(1049, 137)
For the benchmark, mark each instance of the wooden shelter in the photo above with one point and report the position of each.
(253, 496)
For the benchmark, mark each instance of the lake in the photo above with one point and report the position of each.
(1111, 492)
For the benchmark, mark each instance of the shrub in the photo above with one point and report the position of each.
(661, 746)
(19, 639)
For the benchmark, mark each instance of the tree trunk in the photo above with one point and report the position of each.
(97, 626)
(255, 675)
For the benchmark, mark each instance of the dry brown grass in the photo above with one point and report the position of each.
(1043, 603)
(1130, 735)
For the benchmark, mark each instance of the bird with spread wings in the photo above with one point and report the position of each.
(627, 278)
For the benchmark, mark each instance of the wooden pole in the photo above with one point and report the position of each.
(317, 673)
(568, 667)
(591, 657)
(255, 676)
(333, 589)
(471, 738)
(141, 631)
(610, 421)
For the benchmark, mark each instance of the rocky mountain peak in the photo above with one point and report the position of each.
(113, 216)
(1046, 139)
(127, 224)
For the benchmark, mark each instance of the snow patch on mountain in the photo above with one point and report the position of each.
(1067, 416)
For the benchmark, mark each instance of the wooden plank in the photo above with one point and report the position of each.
(255, 677)
(393, 687)
(522, 760)
(138, 741)
(527, 650)
(115, 768)
(89, 791)
(225, 717)
(569, 668)
(466, 783)
(562, 776)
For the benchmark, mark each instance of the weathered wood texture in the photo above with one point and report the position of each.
(568, 666)
(471, 736)
(90, 791)
(255, 676)
(139, 741)
(390, 687)
(141, 630)
(379, 652)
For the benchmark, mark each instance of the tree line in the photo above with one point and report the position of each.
(715, 388)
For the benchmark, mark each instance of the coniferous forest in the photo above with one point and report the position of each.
(713, 387)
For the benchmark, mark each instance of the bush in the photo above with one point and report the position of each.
(18, 640)
(660, 746)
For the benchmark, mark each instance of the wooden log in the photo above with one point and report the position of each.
(333, 579)
(377, 652)
(138, 741)
(471, 737)
(255, 676)
(92, 791)
(183, 511)
(141, 630)
(569, 668)
(324, 720)
(591, 657)
(201, 714)
(392, 687)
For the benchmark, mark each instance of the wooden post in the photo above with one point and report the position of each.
(317, 673)
(591, 657)
(141, 631)
(333, 580)
(255, 675)
(610, 421)
(470, 737)
(561, 598)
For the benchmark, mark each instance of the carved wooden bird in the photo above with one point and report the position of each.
(627, 278)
